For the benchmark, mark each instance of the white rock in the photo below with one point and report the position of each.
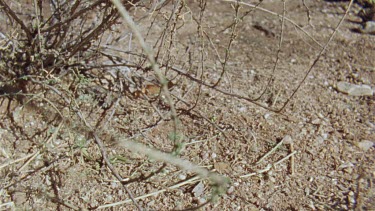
(230, 190)
(346, 165)
(182, 176)
(344, 87)
(354, 90)
(365, 145)
(368, 28)
(316, 121)
(202, 200)
(198, 190)
(361, 90)
(287, 139)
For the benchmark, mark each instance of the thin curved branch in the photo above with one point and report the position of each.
(11, 13)
(278, 15)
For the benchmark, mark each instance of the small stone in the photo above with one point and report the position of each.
(348, 170)
(272, 179)
(354, 90)
(307, 191)
(151, 203)
(316, 121)
(198, 189)
(202, 200)
(361, 90)
(230, 190)
(351, 197)
(319, 140)
(222, 167)
(287, 139)
(365, 145)
(205, 155)
(17, 114)
(109, 198)
(346, 165)
(182, 176)
(114, 185)
(368, 28)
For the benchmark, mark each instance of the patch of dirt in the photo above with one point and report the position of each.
(325, 160)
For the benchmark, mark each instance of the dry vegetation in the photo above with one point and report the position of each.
(217, 105)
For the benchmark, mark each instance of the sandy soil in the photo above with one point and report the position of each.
(329, 134)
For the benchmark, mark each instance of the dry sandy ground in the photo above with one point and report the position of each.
(329, 134)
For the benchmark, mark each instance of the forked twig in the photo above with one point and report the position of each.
(270, 152)
(308, 13)
(12, 14)
(278, 15)
(269, 166)
(318, 57)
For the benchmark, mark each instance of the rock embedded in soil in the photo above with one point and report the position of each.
(368, 28)
(198, 190)
(365, 145)
(354, 90)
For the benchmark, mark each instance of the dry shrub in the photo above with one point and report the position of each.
(68, 82)
(89, 89)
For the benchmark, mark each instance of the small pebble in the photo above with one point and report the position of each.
(114, 185)
(368, 28)
(230, 190)
(316, 121)
(287, 139)
(365, 145)
(354, 90)
(202, 200)
(198, 189)
(182, 176)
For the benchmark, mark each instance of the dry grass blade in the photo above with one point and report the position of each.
(189, 181)
(15, 161)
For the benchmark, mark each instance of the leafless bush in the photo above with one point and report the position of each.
(58, 62)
